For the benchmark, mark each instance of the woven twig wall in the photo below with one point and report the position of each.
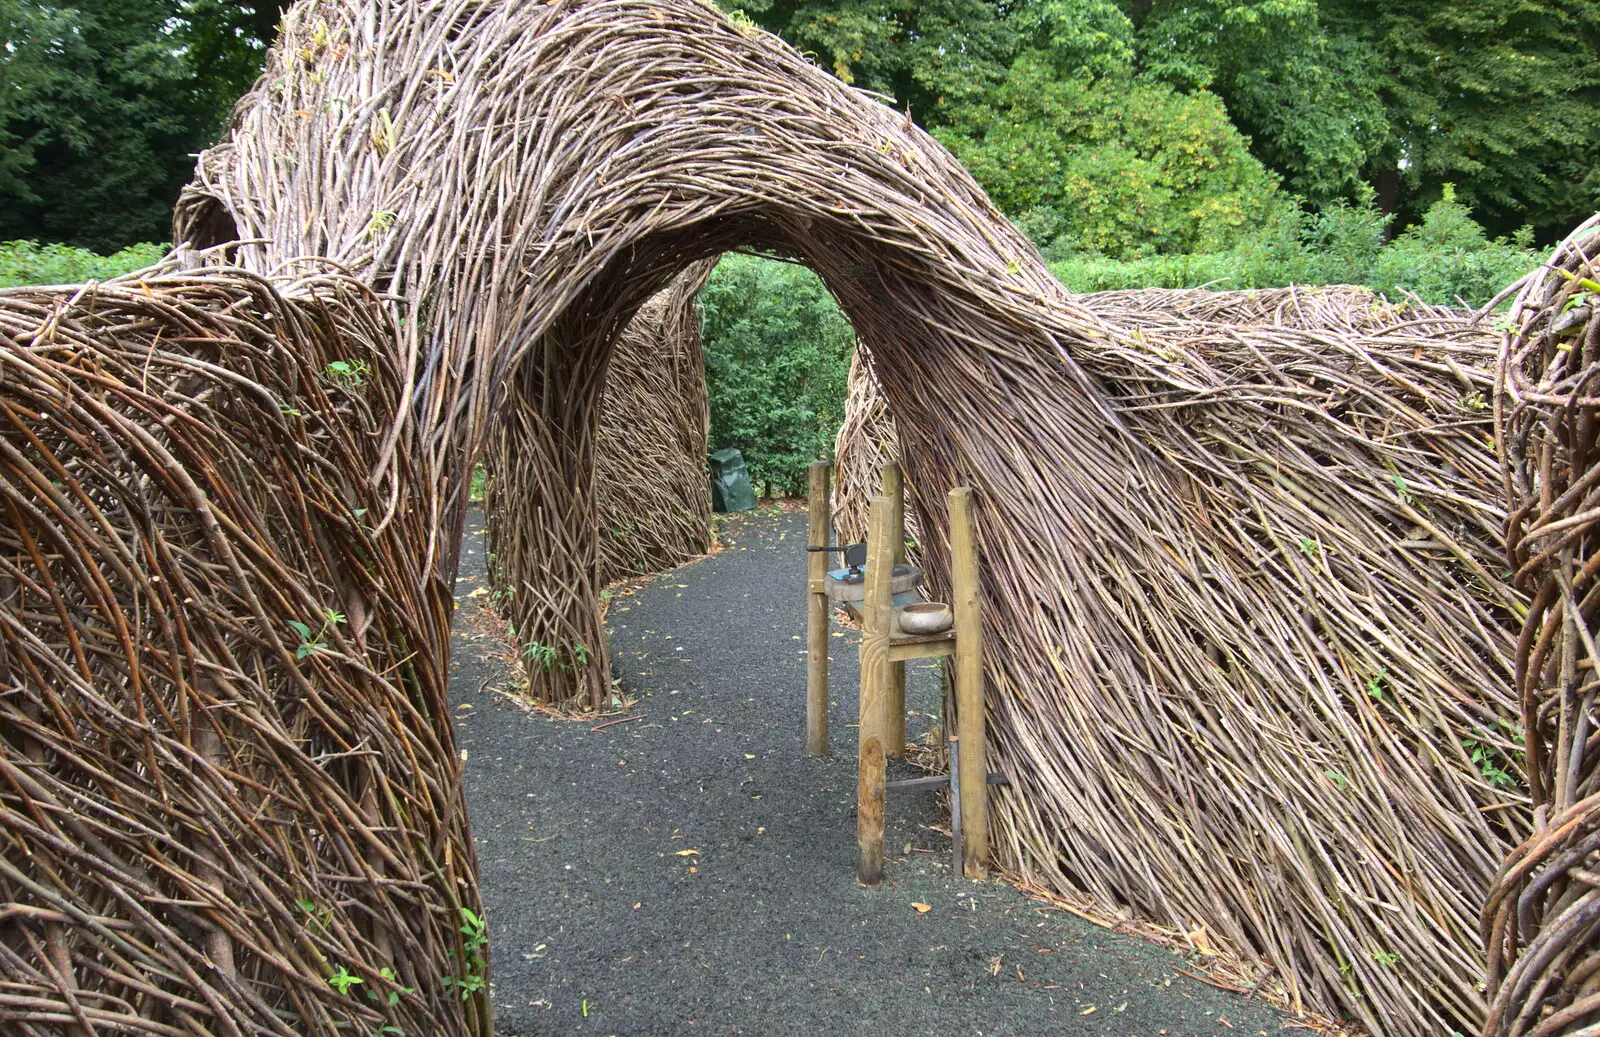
(1240, 583)
(1351, 320)
(230, 791)
(866, 440)
(652, 495)
(1541, 926)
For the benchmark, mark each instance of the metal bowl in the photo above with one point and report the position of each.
(925, 617)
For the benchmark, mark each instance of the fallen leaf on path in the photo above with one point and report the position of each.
(1088, 1011)
(688, 853)
(922, 909)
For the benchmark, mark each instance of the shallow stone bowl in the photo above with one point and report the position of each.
(926, 617)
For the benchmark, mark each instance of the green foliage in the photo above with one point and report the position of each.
(1118, 165)
(104, 102)
(1447, 259)
(1496, 752)
(474, 941)
(920, 54)
(392, 997)
(348, 374)
(1447, 255)
(777, 355)
(29, 263)
(98, 119)
(229, 40)
(545, 655)
(342, 980)
(311, 644)
(1078, 37)
(1335, 97)
(1499, 97)
(1305, 97)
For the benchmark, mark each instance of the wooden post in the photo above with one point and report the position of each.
(894, 732)
(970, 744)
(819, 531)
(877, 616)
(956, 844)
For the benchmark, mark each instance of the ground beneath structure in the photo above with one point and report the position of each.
(690, 870)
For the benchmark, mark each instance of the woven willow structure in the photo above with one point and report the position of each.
(207, 812)
(868, 437)
(1325, 330)
(1240, 582)
(1541, 926)
(652, 496)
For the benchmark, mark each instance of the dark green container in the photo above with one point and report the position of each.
(730, 481)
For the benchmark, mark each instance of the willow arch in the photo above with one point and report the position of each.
(465, 202)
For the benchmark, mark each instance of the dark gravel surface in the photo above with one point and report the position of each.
(693, 871)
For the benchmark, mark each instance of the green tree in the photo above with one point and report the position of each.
(103, 104)
(1500, 97)
(1077, 37)
(228, 40)
(1306, 98)
(1118, 164)
(99, 120)
(918, 52)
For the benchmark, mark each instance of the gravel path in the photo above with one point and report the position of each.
(693, 871)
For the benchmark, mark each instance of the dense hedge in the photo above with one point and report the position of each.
(777, 358)
(1446, 259)
(28, 262)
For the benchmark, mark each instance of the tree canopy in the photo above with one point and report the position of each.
(1132, 125)
(103, 105)
(1115, 164)
(1340, 99)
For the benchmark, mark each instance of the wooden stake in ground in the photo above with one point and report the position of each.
(894, 732)
(877, 614)
(818, 531)
(974, 802)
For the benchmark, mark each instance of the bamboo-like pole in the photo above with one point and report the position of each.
(818, 533)
(894, 731)
(876, 616)
(974, 803)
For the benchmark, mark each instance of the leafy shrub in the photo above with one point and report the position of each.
(1447, 259)
(1448, 255)
(1120, 165)
(777, 360)
(28, 262)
